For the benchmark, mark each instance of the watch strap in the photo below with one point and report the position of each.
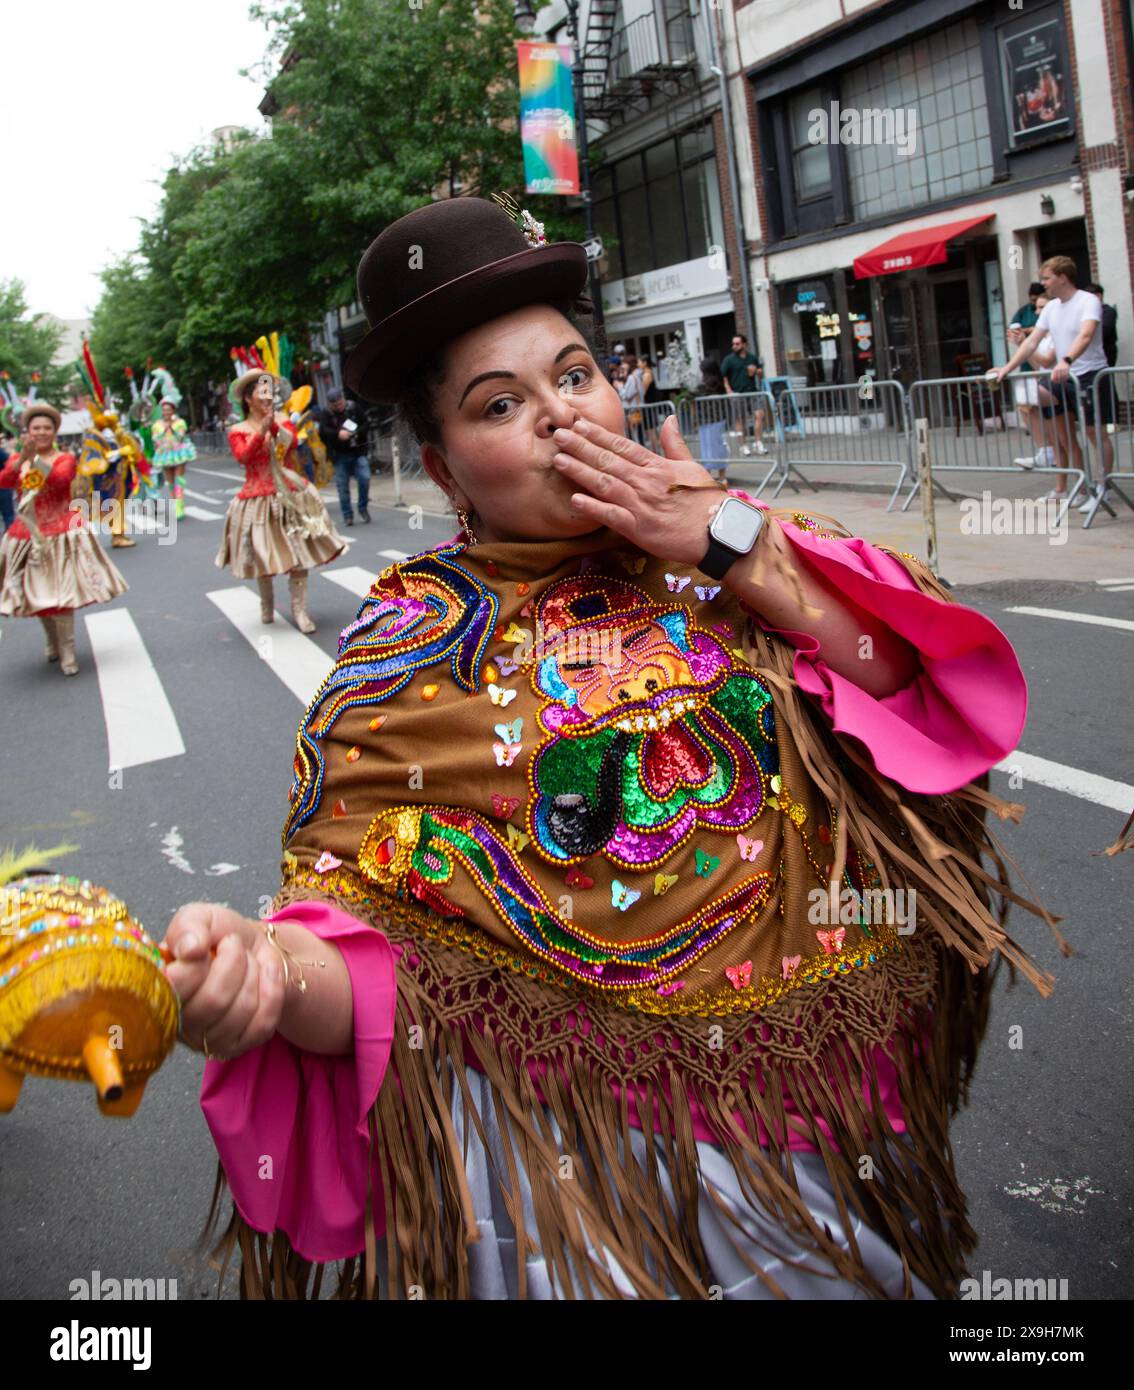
(719, 559)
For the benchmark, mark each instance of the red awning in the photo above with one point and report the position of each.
(926, 246)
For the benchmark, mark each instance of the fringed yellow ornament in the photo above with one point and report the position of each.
(82, 992)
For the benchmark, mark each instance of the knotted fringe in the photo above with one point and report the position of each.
(609, 1225)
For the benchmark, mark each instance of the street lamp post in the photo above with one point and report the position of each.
(525, 22)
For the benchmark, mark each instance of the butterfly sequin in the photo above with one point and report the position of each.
(500, 696)
(508, 667)
(326, 862)
(506, 753)
(663, 883)
(504, 806)
(622, 897)
(707, 863)
(511, 733)
(707, 592)
(739, 975)
(675, 585)
(517, 839)
(832, 941)
(749, 849)
(789, 965)
(577, 879)
(633, 566)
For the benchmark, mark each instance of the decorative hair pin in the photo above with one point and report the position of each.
(533, 231)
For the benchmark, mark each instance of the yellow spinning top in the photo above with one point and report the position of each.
(82, 992)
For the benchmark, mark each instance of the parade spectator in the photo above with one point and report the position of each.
(1074, 319)
(343, 431)
(632, 389)
(1109, 325)
(711, 421)
(743, 374)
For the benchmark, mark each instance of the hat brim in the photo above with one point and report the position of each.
(378, 368)
(245, 377)
(40, 408)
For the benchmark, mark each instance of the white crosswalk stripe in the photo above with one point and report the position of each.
(1103, 791)
(353, 578)
(393, 555)
(1094, 618)
(300, 663)
(140, 724)
(200, 514)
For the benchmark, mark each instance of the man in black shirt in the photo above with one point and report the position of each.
(343, 431)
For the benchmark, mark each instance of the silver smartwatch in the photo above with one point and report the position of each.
(732, 533)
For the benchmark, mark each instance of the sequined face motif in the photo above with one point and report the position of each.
(628, 672)
(651, 729)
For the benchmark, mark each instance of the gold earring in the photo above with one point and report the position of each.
(466, 527)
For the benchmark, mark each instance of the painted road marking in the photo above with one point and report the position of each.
(1103, 791)
(200, 514)
(216, 473)
(1124, 623)
(353, 578)
(393, 555)
(140, 724)
(300, 663)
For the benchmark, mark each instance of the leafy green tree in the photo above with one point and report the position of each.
(28, 343)
(379, 106)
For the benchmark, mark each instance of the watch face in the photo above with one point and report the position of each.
(736, 525)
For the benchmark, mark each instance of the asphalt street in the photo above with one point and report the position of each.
(1043, 1147)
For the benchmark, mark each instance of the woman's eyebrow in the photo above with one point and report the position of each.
(511, 376)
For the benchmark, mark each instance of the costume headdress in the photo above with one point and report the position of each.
(272, 354)
(13, 410)
(452, 265)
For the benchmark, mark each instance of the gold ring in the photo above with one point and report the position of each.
(211, 1056)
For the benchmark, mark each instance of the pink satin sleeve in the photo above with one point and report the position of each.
(961, 714)
(291, 1127)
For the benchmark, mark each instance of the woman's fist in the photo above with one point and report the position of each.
(229, 978)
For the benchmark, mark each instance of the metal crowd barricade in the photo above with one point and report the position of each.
(210, 441)
(1113, 402)
(860, 425)
(967, 430)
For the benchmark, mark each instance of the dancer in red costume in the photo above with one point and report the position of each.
(50, 561)
(277, 523)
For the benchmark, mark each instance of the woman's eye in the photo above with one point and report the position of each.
(499, 413)
(574, 379)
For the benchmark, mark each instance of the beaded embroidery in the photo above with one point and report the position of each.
(417, 614)
(412, 851)
(464, 936)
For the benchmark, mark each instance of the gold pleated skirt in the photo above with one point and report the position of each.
(70, 570)
(264, 536)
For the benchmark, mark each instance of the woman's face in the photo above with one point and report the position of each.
(507, 387)
(263, 393)
(41, 432)
(166, 411)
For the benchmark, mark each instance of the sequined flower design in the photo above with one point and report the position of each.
(33, 480)
(651, 728)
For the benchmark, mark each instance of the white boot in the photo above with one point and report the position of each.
(52, 638)
(297, 585)
(267, 599)
(65, 633)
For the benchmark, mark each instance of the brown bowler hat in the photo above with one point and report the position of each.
(441, 270)
(40, 408)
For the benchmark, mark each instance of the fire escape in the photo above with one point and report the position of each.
(627, 66)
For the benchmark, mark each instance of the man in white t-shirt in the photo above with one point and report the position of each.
(1074, 319)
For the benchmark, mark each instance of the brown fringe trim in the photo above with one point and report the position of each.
(926, 1005)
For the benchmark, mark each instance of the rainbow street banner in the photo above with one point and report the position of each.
(547, 118)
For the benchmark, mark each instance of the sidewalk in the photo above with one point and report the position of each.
(1106, 551)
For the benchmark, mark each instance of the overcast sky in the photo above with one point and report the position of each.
(98, 96)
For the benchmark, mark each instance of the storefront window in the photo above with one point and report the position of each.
(665, 203)
(863, 340)
(812, 330)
